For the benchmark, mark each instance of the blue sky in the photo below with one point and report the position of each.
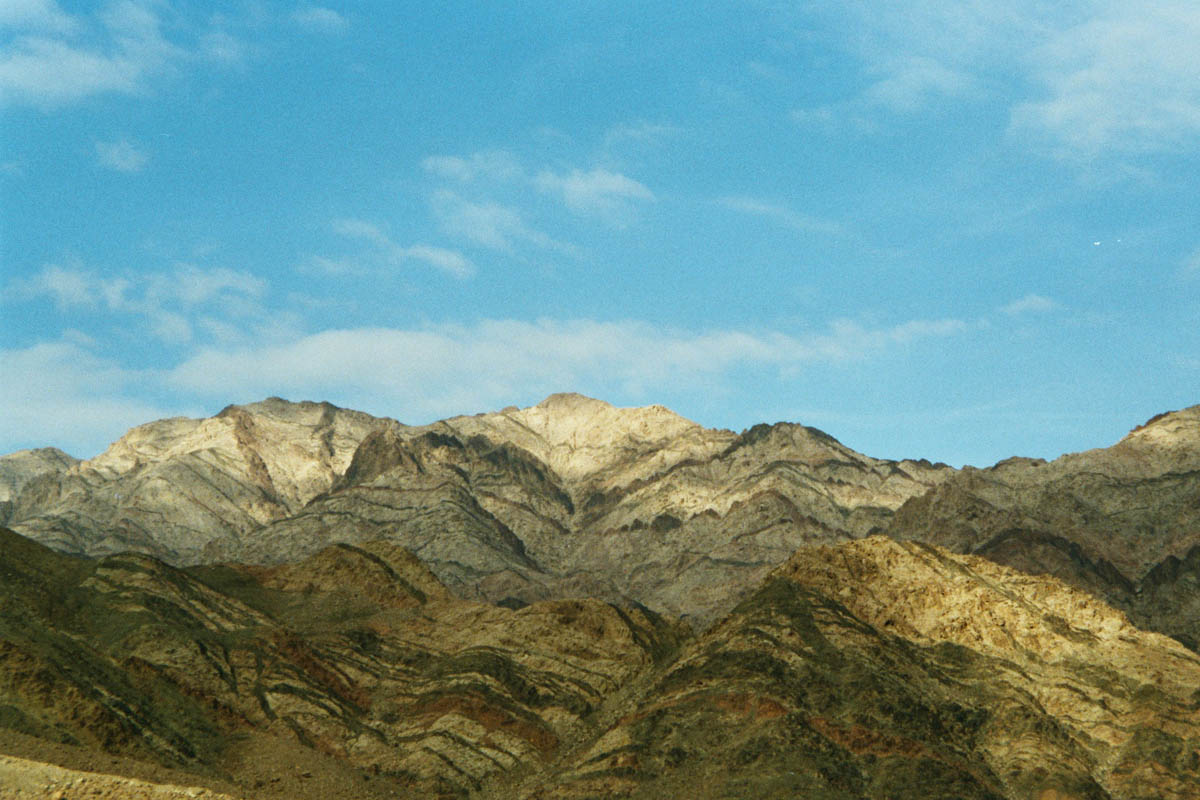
(952, 230)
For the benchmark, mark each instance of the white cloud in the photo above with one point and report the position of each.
(913, 82)
(780, 214)
(54, 58)
(1083, 78)
(448, 261)
(167, 302)
(1031, 303)
(121, 155)
(62, 394)
(1191, 264)
(488, 224)
(1126, 79)
(497, 165)
(432, 371)
(319, 19)
(222, 47)
(597, 192)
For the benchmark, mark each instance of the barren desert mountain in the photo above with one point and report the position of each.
(291, 600)
(1122, 522)
(576, 497)
(869, 669)
(179, 488)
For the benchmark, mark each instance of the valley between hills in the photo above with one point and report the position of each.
(293, 600)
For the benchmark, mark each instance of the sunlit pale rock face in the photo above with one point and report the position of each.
(182, 488)
(1122, 522)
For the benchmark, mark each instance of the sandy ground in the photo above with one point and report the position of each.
(21, 779)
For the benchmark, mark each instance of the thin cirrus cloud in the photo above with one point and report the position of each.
(1030, 304)
(319, 19)
(121, 155)
(486, 223)
(1079, 79)
(449, 261)
(64, 387)
(170, 304)
(1124, 79)
(780, 214)
(426, 371)
(595, 192)
(418, 374)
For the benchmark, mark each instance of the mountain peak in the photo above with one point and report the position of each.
(571, 401)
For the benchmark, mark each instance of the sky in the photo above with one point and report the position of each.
(958, 230)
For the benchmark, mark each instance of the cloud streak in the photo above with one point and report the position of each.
(431, 371)
(449, 261)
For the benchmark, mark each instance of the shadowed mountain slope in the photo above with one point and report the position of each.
(871, 669)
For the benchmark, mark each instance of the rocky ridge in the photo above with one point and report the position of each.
(1121, 522)
(186, 489)
(868, 669)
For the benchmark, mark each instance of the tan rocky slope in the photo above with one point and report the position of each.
(575, 497)
(1122, 522)
(871, 669)
(878, 669)
(183, 488)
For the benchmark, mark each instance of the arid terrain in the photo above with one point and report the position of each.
(293, 600)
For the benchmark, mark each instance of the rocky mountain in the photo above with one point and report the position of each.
(569, 498)
(577, 600)
(1121, 522)
(868, 669)
(183, 488)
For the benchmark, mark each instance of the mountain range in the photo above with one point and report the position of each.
(578, 600)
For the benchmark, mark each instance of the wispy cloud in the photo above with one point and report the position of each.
(1081, 79)
(497, 165)
(780, 214)
(434, 370)
(319, 19)
(912, 82)
(1031, 304)
(63, 392)
(53, 58)
(121, 155)
(448, 261)
(169, 303)
(488, 224)
(596, 192)
(1190, 268)
(1125, 79)
(38, 15)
